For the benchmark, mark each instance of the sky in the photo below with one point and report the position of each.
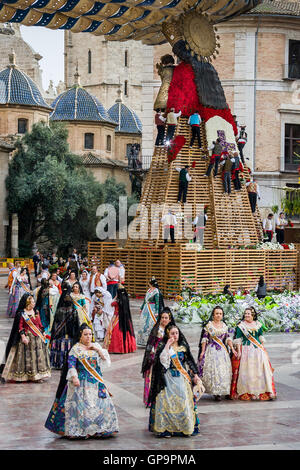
(50, 44)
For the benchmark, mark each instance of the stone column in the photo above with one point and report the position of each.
(147, 103)
(5, 150)
(15, 236)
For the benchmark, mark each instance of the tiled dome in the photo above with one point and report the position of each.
(76, 104)
(17, 88)
(128, 121)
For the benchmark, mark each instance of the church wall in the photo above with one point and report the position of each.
(107, 67)
(102, 173)
(27, 59)
(121, 142)
(9, 118)
(76, 131)
(4, 158)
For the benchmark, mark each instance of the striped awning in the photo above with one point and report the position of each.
(115, 19)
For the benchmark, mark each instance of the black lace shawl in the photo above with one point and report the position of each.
(14, 336)
(125, 320)
(65, 310)
(152, 341)
(158, 382)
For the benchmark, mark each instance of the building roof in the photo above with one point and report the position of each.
(76, 104)
(17, 88)
(91, 159)
(128, 121)
(274, 7)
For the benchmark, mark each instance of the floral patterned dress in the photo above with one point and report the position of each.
(215, 366)
(86, 410)
(174, 411)
(252, 374)
(150, 304)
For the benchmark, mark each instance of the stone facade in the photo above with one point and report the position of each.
(5, 150)
(26, 58)
(107, 68)
(10, 114)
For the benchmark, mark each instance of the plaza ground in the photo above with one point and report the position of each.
(224, 425)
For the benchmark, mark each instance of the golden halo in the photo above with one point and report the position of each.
(199, 34)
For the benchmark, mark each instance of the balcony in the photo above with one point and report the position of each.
(139, 163)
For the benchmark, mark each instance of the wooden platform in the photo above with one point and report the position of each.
(207, 270)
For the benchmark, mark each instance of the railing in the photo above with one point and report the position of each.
(139, 162)
(291, 71)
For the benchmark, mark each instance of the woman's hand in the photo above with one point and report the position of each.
(239, 354)
(170, 342)
(75, 381)
(234, 352)
(201, 355)
(25, 340)
(196, 379)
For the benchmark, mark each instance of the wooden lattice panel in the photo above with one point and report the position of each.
(206, 270)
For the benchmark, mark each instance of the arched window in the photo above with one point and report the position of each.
(126, 88)
(89, 61)
(22, 126)
(108, 143)
(88, 141)
(126, 59)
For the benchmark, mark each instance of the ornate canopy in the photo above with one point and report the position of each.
(118, 19)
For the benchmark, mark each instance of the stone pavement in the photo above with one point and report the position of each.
(224, 425)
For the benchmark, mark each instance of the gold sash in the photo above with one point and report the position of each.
(33, 327)
(25, 287)
(250, 337)
(151, 314)
(92, 371)
(216, 339)
(178, 366)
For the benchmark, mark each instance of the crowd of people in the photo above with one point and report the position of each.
(73, 320)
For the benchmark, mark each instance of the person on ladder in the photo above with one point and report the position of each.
(195, 121)
(172, 123)
(184, 179)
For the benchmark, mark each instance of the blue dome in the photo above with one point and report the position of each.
(17, 88)
(76, 104)
(127, 119)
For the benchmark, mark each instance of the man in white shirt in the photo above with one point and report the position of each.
(121, 270)
(169, 222)
(268, 227)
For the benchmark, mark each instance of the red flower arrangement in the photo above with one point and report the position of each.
(175, 146)
(183, 96)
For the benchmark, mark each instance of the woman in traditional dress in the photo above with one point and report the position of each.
(83, 407)
(84, 283)
(71, 279)
(150, 309)
(102, 312)
(27, 356)
(120, 338)
(173, 411)
(55, 292)
(19, 287)
(43, 306)
(214, 363)
(64, 330)
(252, 377)
(164, 319)
(80, 304)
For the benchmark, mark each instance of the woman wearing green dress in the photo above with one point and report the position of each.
(151, 307)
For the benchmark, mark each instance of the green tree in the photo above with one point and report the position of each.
(54, 196)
